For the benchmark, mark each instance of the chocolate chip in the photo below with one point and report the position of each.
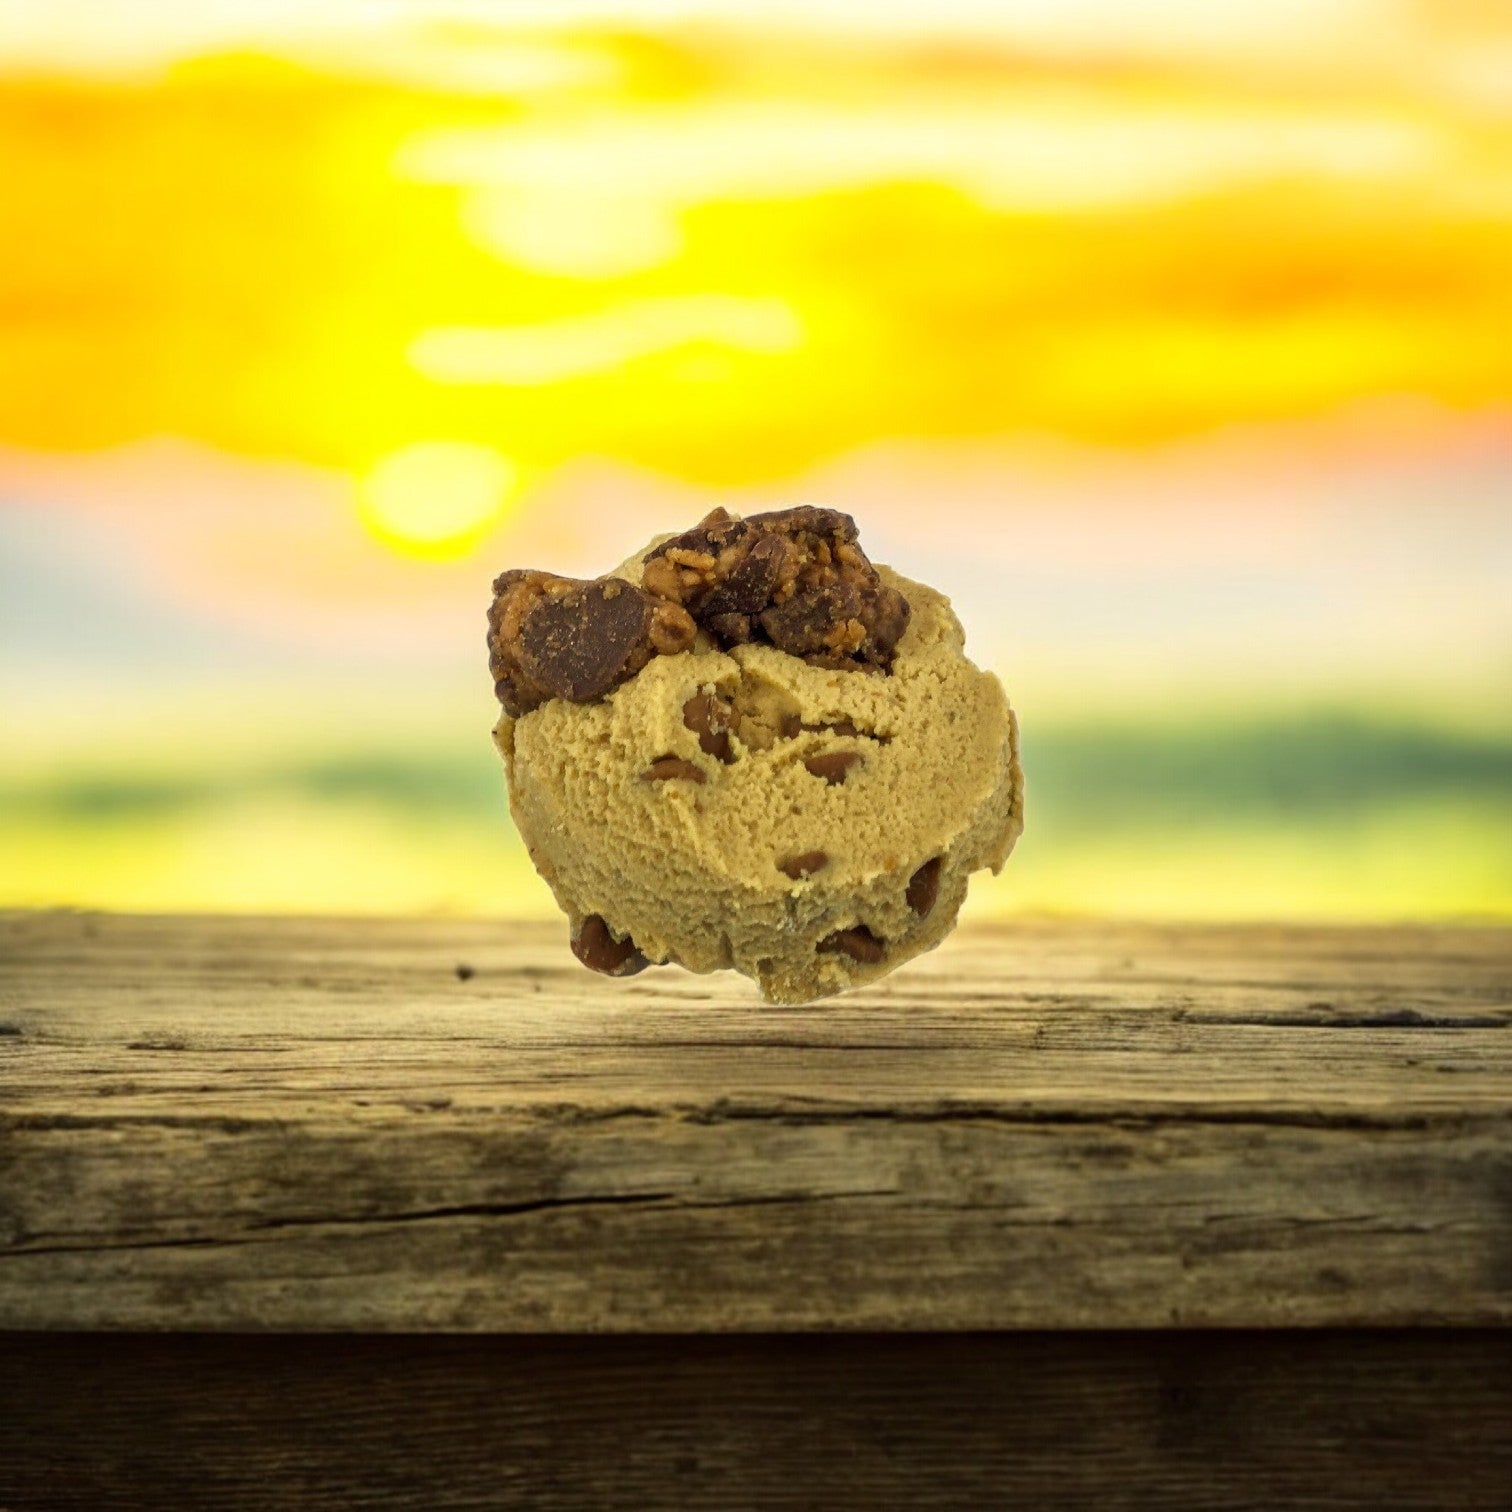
(924, 887)
(858, 942)
(598, 950)
(804, 864)
(708, 716)
(667, 768)
(832, 765)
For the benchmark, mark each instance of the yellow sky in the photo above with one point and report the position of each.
(1170, 338)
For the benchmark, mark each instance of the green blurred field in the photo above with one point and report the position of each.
(1327, 815)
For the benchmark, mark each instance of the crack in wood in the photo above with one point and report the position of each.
(472, 1210)
(1395, 1018)
(666, 1201)
(1133, 1120)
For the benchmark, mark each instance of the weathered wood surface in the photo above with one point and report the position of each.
(1311, 1422)
(251, 1124)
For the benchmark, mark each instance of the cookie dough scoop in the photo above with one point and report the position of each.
(748, 748)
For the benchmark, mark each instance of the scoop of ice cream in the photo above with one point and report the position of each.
(731, 753)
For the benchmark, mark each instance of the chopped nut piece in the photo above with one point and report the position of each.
(832, 765)
(598, 950)
(858, 942)
(804, 864)
(924, 887)
(667, 768)
(672, 629)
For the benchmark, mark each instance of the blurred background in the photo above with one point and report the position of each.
(1172, 339)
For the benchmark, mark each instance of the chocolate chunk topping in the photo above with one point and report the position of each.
(887, 617)
(832, 765)
(753, 578)
(858, 942)
(924, 887)
(598, 950)
(803, 864)
(708, 716)
(582, 644)
(821, 622)
(554, 637)
(731, 629)
(794, 577)
(664, 768)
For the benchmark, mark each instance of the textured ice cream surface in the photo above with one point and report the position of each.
(811, 823)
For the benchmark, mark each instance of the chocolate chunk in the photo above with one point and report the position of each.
(731, 629)
(832, 765)
(811, 623)
(666, 768)
(794, 577)
(585, 642)
(804, 864)
(516, 593)
(753, 578)
(887, 619)
(858, 942)
(924, 887)
(553, 637)
(717, 530)
(708, 716)
(598, 950)
(807, 519)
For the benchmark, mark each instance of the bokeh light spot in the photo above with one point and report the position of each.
(436, 500)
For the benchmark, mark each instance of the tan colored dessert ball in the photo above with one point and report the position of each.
(748, 748)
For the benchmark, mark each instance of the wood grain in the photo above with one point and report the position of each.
(1311, 1422)
(327, 1125)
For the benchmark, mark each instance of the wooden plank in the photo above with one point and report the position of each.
(305, 1124)
(1319, 1420)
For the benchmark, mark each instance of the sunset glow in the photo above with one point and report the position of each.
(1171, 339)
(436, 499)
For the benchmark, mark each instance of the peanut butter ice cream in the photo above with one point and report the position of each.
(749, 748)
